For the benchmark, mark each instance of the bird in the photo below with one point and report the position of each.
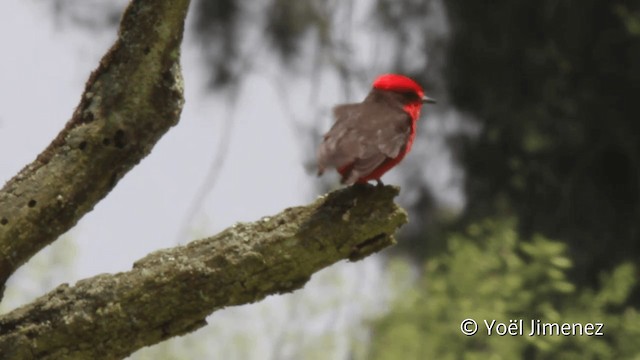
(369, 138)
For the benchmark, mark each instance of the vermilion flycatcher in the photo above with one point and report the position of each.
(369, 138)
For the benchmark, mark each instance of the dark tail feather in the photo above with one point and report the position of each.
(349, 177)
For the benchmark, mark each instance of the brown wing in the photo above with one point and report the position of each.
(362, 138)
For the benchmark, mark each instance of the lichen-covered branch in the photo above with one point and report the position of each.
(170, 292)
(130, 101)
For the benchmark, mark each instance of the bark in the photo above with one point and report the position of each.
(130, 101)
(170, 292)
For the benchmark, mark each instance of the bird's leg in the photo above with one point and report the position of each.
(379, 183)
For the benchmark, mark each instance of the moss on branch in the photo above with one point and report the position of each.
(170, 292)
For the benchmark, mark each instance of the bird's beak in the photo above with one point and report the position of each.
(428, 100)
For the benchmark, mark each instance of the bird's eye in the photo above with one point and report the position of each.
(410, 95)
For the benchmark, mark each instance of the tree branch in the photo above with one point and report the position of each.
(130, 101)
(170, 292)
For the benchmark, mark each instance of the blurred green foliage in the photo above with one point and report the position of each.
(488, 272)
(555, 84)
